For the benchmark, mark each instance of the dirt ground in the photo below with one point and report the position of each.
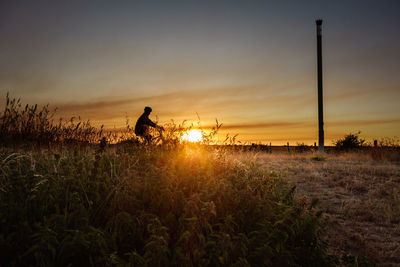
(360, 198)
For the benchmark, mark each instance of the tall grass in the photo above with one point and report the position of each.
(31, 123)
(151, 206)
(130, 204)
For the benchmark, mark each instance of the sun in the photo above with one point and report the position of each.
(192, 136)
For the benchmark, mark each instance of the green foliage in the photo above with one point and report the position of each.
(150, 206)
(349, 141)
(141, 205)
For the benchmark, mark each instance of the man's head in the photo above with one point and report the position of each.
(147, 110)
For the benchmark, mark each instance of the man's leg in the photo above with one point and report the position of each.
(148, 138)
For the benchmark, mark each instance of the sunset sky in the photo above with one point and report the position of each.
(250, 64)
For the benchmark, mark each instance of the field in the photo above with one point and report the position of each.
(358, 194)
(190, 205)
(154, 206)
(74, 195)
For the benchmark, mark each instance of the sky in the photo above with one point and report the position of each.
(249, 64)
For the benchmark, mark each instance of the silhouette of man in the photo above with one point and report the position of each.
(142, 124)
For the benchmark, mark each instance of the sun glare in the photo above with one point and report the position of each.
(192, 136)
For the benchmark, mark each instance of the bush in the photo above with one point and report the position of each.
(349, 141)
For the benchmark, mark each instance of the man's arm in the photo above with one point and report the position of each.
(150, 123)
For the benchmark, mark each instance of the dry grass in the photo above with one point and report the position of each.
(358, 194)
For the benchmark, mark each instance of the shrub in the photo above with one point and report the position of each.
(349, 141)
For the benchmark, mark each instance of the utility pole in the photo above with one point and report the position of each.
(320, 100)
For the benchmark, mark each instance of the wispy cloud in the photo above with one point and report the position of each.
(204, 101)
(264, 125)
(363, 122)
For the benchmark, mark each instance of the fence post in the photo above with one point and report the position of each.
(288, 149)
(270, 147)
(375, 143)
